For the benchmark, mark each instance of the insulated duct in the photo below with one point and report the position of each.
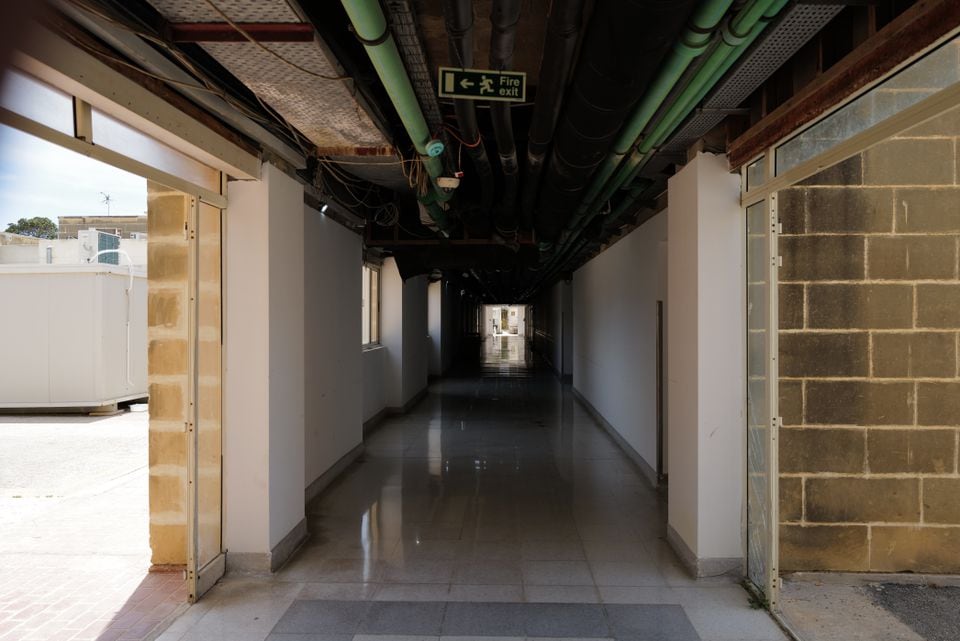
(559, 47)
(622, 50)
(458, 19)
(504, 16)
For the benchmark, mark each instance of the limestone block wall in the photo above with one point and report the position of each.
(869, 302)
(168, 336)
(167, 317)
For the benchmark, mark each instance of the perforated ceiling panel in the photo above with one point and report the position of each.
(801, 23)
(238, 10)
(324, 111)
(798, 24)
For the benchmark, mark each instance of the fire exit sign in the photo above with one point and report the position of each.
(483, 84)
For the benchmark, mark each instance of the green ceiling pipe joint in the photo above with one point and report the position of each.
(731, 37)
(371, 28)
(434, 148)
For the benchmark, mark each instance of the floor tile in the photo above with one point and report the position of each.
(403, 618)
(412, 592)
(568, 619)
(489, 593)
(329, 617)
(484, 619)
(488, 572)
(338, 591)
(556, 573)
(627, 573)
(418, 571)
(561, 594)
(650, 623)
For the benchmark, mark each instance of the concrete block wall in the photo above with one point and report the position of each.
(869, 301)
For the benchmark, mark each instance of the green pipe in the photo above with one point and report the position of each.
(692, 42)
(721, 58)
(754, 16)
(370, 26)
(664, 128)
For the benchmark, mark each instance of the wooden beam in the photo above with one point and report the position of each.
(259, 31)
(917, 28)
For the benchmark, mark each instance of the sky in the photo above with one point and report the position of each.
(38, 178)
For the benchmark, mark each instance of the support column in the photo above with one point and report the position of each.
(264, 372)
(404, 334)
(706, 366)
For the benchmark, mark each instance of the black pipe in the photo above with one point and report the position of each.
(559, 47)
(622, 50)
(458, 18)
(504, 15)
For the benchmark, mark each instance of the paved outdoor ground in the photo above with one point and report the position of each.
(74, 553)
(872, 607)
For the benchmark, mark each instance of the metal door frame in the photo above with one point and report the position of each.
(770, 591)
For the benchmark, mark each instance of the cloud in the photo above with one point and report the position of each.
(38, 178)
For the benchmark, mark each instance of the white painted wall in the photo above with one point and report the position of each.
(391, 332)
(403, 335)
(333, 374)
(435, 326)
(553, 320)
(705, 353)
(287, 400)
(374, 381)
(416, 342)
(263, 437)
(615, 334)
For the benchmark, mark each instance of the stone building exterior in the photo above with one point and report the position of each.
(123, 226)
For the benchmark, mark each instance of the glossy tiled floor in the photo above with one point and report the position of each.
(496, 496)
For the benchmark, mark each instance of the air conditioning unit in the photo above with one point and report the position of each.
(93, 241)
(138, 235)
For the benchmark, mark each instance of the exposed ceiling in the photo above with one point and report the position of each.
(587, 68)
(531, 29)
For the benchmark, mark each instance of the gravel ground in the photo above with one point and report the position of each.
(931, 611)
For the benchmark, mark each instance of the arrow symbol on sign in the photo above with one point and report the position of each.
(466, 84)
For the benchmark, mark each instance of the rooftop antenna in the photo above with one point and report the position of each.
(106, 200)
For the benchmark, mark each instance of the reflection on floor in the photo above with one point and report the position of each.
(506, 356)
(496, 508)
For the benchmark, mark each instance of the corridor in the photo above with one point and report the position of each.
(496, 508)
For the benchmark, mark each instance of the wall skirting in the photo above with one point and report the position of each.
(324, 480)
(374, 421)
(701, 567)
(639, 461)
(267, 562)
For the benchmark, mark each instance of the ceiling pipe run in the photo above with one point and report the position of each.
(563, 28)
(458, 18)
(370, 26)
(693, 42)
(622, 51)
(735, 38)
(504, 16)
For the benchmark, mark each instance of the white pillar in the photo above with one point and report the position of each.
(404, 334)
(706, 365)
(263, 436)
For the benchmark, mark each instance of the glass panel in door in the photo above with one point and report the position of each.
(761, 375)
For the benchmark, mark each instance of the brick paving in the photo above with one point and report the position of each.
(74, 557)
